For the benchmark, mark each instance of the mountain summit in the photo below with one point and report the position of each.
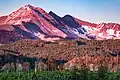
(29, 22)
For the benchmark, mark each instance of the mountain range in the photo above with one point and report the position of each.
(29, 22)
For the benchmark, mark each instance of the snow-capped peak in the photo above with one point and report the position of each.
(29, 6)
(34, 22)
(22, 14)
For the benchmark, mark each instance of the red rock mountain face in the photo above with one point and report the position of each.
(30, 22)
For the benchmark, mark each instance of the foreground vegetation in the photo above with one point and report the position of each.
(84, 74)
(28, 55)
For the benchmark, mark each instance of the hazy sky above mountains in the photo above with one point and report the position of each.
(89, 10)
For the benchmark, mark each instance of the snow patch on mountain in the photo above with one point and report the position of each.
(35, 23)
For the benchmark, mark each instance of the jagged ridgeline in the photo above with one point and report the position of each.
(29, 22)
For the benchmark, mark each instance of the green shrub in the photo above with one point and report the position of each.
(83, 74)
(103, 73)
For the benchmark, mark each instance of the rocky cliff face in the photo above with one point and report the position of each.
(29, 22)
